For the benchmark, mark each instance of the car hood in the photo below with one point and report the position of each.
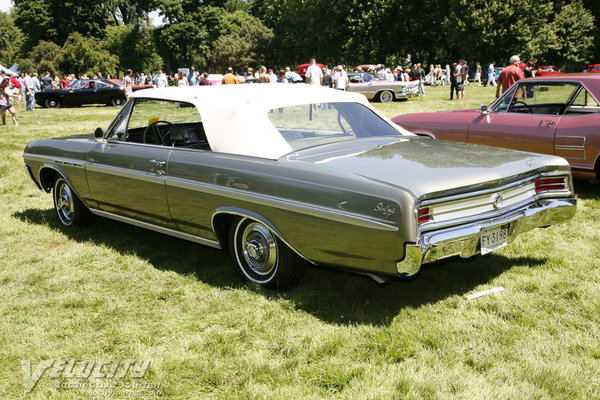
(426, 166)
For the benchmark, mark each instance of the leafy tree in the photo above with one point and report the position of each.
(243, 42)
(191, 28)
(84, 55)
(490, 30)
(182, 44)
(55, 20)
(594, 7)
(133, 46)
(34, 19)
(44, 56)
(575, 30)
(11, 40)
(126, 12)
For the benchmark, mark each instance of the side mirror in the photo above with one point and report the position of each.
(483, 110)
(98, 133)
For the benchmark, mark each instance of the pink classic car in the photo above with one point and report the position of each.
(556, 114)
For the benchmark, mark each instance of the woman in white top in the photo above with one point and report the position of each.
(182, 80)
(6, 95)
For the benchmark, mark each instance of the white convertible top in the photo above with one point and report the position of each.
(235, 117)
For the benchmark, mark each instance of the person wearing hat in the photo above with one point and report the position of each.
(340, 78)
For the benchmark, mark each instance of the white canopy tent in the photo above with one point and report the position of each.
(6, 70)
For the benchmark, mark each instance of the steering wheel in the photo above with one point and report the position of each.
(529, 109)
(163, 138)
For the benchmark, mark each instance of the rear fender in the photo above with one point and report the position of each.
(223, 214)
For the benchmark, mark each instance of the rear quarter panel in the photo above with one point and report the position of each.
(441, 125)
(330, 218)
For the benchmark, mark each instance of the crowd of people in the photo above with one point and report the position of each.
(13, 88)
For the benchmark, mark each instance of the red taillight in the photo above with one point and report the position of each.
(423, 215)
(550, 184)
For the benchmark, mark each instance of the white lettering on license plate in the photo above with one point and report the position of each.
(493, 238)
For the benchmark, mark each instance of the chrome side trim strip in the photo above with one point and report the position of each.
(127, 173)
(57, 160)
(286, 205)
(185, 236)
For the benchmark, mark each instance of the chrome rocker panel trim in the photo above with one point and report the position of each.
(185, 236)
(463, 240)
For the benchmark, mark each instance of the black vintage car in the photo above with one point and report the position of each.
(83, 91)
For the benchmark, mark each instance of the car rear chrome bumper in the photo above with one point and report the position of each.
(464, 240)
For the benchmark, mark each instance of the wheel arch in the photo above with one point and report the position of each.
(223, 216)
(380, 91)
(49, 173)
(597, 165)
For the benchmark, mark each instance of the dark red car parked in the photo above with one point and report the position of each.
(556, 114)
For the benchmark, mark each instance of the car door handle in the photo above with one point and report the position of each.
(158, 163)
(547, 122)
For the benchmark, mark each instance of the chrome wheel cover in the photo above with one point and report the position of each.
(386, 97)
(64, 204)
(259, 249)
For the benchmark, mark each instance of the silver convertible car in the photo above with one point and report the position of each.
(289, 175)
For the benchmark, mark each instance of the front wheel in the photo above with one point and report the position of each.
(261, 257)
(386, 97)
(70, 210)
(52, 102)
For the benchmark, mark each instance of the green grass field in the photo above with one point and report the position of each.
(114, 292)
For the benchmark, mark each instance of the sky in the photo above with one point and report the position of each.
(4, 5)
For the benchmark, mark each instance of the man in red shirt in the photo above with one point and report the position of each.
(509, 75)
(64, 82)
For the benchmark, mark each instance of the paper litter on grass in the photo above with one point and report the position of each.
(483, 293)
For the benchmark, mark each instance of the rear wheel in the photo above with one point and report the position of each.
(259, 256)
(117, 101)
(70, 210)
(386, 96)
(52, 102)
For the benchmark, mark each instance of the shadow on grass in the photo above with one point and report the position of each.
(587, 190)
(330, 295)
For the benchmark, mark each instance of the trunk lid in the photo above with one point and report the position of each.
(425, 166)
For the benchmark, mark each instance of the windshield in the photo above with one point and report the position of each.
(310, 125)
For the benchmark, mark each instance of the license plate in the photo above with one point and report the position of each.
(493, 238)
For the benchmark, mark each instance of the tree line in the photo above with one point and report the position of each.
(78, 36)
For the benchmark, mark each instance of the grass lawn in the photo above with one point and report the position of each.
(112, 292)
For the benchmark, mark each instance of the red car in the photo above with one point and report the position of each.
(593, 68)
(556, 114)
(547, 70)
(302, 69)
